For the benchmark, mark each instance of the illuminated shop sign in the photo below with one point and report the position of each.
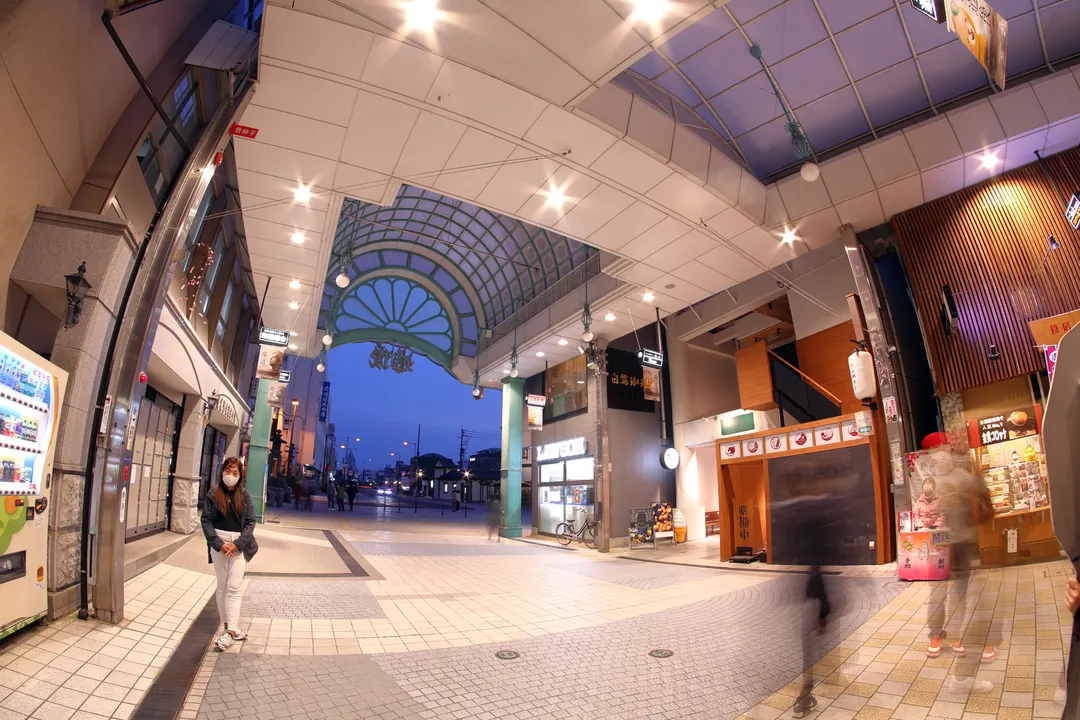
(561, 450)
(277, 338)
(933, 9)
(1072, 214)
(652, 358)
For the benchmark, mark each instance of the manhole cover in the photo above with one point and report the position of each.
(661, 653)
(507, 655)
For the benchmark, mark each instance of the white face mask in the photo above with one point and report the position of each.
(230, 480)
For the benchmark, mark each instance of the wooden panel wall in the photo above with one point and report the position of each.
(823, 356)
(755, 378)
(987, 243)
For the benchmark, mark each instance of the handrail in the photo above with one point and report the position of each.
(810, 381)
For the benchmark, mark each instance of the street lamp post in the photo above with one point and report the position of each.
(345, 459)
(292, 437)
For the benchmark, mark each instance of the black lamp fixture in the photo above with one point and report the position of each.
(210, 403)
(77, 287)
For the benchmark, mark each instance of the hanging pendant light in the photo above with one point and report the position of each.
(800, 144)
(342, 280)
(586, 313)
(327, 339)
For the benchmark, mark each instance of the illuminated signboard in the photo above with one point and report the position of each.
(1072, 214)
(561, 450)
(933, 9)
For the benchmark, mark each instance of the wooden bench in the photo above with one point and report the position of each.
(712, 523)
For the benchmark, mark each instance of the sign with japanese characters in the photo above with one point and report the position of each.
(271, 358)
(324, 402)
(933, 9)
(626, 383)
(652, 358)
(396, 358)
(284, 376)
(827, 435)
(535, 400)
(277, 338)
(650, 378)
(983, 32)
(776, 444)
(1007, 426)
(244, 131)
(1049, 331)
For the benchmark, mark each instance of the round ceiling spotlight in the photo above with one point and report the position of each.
(342, 280)
(476, 391)
(587, 336)
(810, 171)
(327, 339)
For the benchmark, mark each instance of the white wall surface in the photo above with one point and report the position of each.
(830, 284)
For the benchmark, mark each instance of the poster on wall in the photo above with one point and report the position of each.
(752, 447)
(650, 378)
(827, 435)
(269, 364)
(536, 417)
(983, 32)
(730, 451)
(275, 394)
(776, 444)
(1006, 426)
(849, 431)
(800, 440)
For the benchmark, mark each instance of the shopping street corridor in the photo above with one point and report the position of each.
(383, 616)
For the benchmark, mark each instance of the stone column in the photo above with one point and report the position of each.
(597, 389)
(55, 245)
(513, 397)
(187, 481)
(259, 449)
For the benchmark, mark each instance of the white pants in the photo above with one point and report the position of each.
(230, 578)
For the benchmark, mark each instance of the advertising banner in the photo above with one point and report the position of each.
(651, 382)
(983, 32)
(324, 402)
(1049, 331)
(270, 361)
(275, 395)
(536, 417)
(1051, 360)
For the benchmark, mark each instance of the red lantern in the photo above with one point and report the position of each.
(142, 377)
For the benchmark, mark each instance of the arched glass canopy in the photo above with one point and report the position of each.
(433, 273)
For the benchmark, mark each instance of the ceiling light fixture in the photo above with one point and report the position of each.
(650, 11)
(321, 367)
(556, 198)
(810, 171)
(294, 305)
(292, 346)
(295, 284)
(800, 144)
(293, 333)
(990, 160)
(789, 236)
(540, 353)
(327, 339)
(298, 238)
(610, 317)
(421, 14)
(342, 280)
(648, 296)
(302, 194)
(563, 341)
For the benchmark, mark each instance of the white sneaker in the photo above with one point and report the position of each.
(224, 641)
(239, 635)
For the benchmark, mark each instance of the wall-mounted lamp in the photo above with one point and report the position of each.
(994, 353)
(77, 287)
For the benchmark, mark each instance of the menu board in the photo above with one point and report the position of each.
(1007, 426)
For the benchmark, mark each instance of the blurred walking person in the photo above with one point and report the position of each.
(331, 493)
(351, 492)
(340, 492)
(494, 515)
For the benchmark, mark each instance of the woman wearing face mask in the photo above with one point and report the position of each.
(228, 522)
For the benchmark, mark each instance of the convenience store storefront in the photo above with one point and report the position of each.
(567, 484)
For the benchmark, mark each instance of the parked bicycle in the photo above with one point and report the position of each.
(567, 532)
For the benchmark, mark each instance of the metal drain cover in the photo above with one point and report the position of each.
(508, 655)
(661, 653)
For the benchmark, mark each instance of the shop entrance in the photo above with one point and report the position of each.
(567, 490)
(213, 453)
(153, 461)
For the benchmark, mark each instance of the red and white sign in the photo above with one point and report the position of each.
(800, 440)
(244, 131)
(753, 446)
(730, 451)
(1051, 360)
(850, 430)
(827, 435)
(775, 444)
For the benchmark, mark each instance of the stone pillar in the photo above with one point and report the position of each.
(513, 397)
(56, 243)
(186, 494)
(597, 390)
(259, 449)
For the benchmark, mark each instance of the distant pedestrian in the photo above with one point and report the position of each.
(341, 498)
(456, 499)
(816, 624)
(494, 515)
(351, 492)
(330, 493)
(228, 523)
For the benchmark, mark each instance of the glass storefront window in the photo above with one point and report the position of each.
(552, 473)
(580, 469)
(566, 390)
(566, 493)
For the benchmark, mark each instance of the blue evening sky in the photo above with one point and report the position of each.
(383, 408)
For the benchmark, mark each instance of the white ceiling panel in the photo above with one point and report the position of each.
(641, 274)
(703, 276)
(976, 125)
(315, 42)
(404, 69)
(675, 15)
(1063, 136)
(514, 184)
(269, 189)
(775, 212)
(1021, 151)
(283, 262)
(559, 131)
(378, 133)
(819, 229)
(654, 239)
(846, 176)
(430, 145)
(288, 214)
(752, 197)
(633, 168)
(476, 148)
(685, 198)
(726, 177)
(1018, 110)
(974, 172)
(1059, 96)
(730, 222)
(932, 142)
(861, 212)
(264, 230)
(294, 131)
(943, 180)
(682, 290)
(467, 92)
(889, 159)
(298, 167)
(901, 195)
(320, 99)
(730, 264)
(677, 253)
(601, 205)
(360, 183)
(587, 34)
(574, 186)
(764, 246)
(626, 226)
(690, 155)
(802, 198)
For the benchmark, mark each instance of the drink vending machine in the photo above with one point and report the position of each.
(31, 394)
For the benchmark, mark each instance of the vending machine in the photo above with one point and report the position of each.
(31, 394)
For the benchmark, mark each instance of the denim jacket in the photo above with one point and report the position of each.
(246, 542)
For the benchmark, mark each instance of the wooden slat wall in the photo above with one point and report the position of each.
(755, 377)
(987, 243)
(823, 356)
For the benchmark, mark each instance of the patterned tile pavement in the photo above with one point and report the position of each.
(309, 598)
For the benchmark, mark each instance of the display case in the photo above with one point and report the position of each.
(1015, 475)
(31, 393)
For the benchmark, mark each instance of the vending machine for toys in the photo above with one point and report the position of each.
(31, 393)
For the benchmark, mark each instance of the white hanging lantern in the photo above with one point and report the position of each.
(863, 380)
